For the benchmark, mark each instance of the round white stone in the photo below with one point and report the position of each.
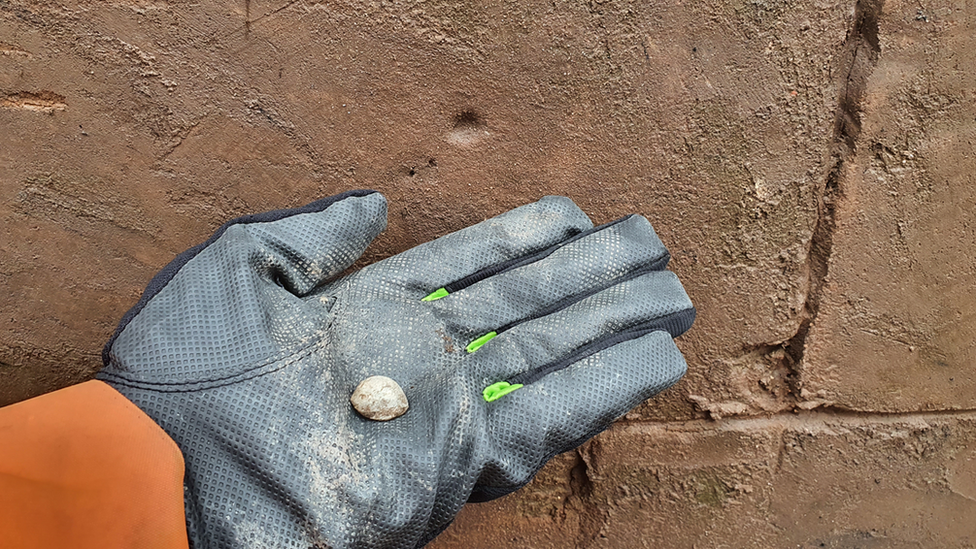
(379, 398)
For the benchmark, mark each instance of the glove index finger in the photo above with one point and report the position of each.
(309, 245)
(428, 268)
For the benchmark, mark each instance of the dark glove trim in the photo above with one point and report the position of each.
(164, 276)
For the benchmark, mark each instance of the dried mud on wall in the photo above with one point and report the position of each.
(809, 164)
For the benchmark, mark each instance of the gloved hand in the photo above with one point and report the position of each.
(513, 340)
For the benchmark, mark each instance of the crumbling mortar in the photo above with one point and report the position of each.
(823, 413)
(835, 410)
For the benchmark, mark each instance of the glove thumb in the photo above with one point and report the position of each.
(301, 248)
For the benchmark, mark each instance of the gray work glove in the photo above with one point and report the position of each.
(513, 340)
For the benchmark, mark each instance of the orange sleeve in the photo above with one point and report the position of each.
(85, 468)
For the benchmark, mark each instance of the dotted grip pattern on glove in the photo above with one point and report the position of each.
(246, 349)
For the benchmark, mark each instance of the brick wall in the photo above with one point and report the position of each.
(810, 164)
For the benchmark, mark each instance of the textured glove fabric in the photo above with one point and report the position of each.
(247, 348)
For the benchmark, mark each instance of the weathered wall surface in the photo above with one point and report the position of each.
(810, 164)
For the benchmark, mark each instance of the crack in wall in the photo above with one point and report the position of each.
(861, 52)
(592, 518)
